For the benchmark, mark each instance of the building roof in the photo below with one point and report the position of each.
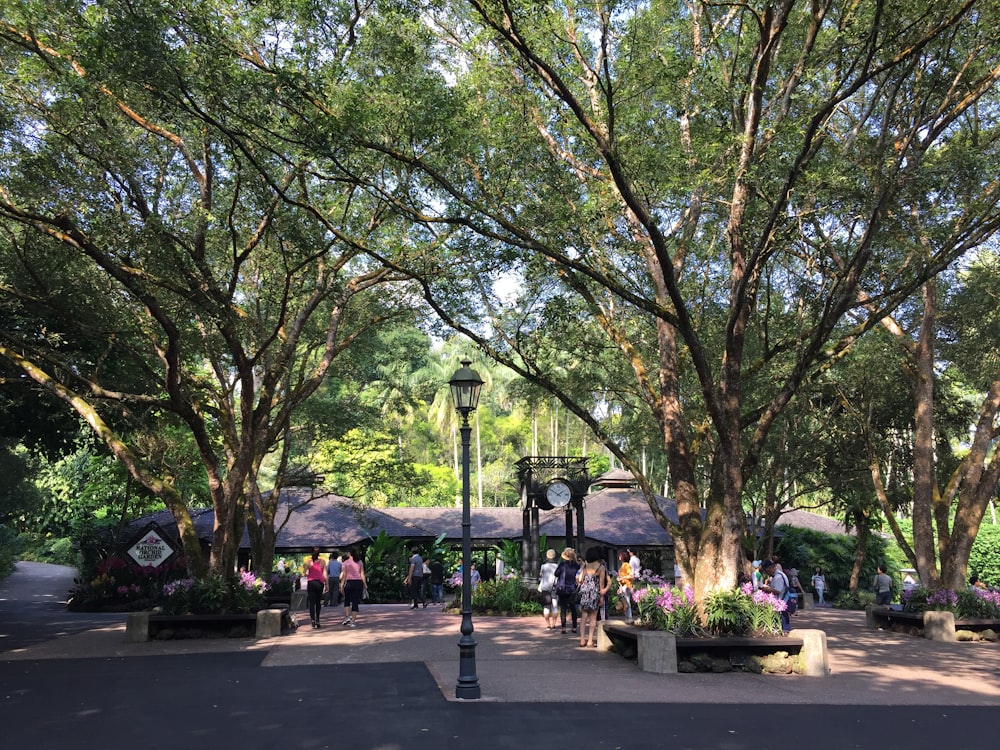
(803, 519)
(616, 516)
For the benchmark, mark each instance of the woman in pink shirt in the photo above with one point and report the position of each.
(353, 586)
(316, 584)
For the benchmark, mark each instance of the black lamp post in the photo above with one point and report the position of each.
(465, 388)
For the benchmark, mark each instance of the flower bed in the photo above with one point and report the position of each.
(736, 630)
(245, 594)
(971, 614)
(736, 612)
(966, 604)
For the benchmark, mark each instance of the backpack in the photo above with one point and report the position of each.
(791, 596)
(566, 582)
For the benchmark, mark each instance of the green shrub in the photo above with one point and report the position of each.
(505, 594)
(974, 604)
(283, 581)
(805, 549)
(858, 600)
(984, 558)
(10, 548)
(208, 596)
(386, 563)
(727, 612)
(244, 594)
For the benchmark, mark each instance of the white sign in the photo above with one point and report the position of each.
(151, 550)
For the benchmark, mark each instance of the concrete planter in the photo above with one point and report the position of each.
(932, 624)
(658, 651)
(144, 626)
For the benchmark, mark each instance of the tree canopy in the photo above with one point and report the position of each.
(676, 219)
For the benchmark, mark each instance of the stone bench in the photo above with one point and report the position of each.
(657, 650)
(144, 626)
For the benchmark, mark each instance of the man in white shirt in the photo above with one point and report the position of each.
(633, 562)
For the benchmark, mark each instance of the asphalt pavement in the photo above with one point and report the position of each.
(69, 679)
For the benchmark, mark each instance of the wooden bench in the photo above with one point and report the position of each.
(658, 651)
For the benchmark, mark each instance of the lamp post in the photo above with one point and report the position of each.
(465, 388)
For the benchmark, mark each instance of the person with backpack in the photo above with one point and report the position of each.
(594, 584)
(566, 588)
(778, 585)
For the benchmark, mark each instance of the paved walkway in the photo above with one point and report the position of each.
(517, 660)
(389, 685)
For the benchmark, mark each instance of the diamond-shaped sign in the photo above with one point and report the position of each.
(151, 550)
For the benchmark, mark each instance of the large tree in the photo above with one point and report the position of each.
(187, 277)
(691, 200)
(950, 363)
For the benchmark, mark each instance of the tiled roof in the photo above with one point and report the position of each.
(616, 516)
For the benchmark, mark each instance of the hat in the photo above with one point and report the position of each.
(756, 563)
(766, 564)
(794, 571)
(568, 554)
(550, 554)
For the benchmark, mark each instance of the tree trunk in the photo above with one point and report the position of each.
(862, 524)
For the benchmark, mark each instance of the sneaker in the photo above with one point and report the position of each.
(347, 621)
(413, 607)
(352, 624)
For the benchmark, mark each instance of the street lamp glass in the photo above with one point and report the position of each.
(465, 388)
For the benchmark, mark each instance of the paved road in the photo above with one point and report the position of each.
(33, 607)
(386, 686)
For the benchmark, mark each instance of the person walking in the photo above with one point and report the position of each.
(625, 581)
(316, 585)
(353, 586)
(415, 577)
(425, 582)
(594, 584)
(546, 586)
(819, 584)
(566, 587)
(437, 581)
(333, 568)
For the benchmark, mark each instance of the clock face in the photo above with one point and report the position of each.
(558, 494)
